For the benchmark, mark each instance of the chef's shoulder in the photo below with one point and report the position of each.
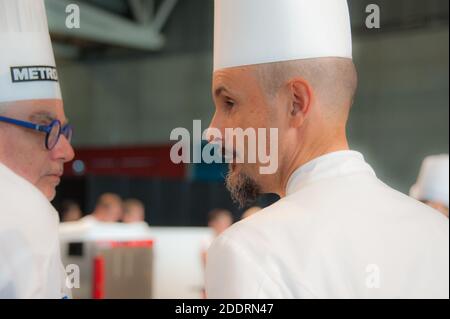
(411, 213)
(238, 261)
(256, 232)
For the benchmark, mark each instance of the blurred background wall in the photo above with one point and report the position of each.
(118, 97)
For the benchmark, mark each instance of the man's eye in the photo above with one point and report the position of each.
(230, 103)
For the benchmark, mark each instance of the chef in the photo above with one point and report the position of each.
(337, 231)
(34, 145)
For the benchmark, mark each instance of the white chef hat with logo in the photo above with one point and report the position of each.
(433, 181)
(251, 32)
(27, 63)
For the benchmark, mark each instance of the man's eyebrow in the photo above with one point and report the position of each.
(221, 90)
(42, 116)
(45, 117)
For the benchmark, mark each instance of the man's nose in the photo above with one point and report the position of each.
(63, 150)
(214, 133)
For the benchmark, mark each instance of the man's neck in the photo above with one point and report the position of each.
(308, 152)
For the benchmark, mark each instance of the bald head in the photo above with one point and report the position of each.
(333, 80)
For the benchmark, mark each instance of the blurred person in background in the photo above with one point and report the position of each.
(219, 220)
(34, 145)
(250, 212)
(109, 209)
(112, 219)
(134, 217)
(133, 211)
(432, 184)
(70, 211)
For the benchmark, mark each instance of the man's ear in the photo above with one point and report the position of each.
(300, 98)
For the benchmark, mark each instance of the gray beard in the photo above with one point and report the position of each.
(243, 189)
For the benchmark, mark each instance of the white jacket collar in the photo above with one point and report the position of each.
(330, 165)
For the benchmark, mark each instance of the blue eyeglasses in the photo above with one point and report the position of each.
(52, 131)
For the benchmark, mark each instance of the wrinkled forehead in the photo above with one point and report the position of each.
(34, 110)
(235, 80)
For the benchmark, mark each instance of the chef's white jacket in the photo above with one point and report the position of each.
(30, 263)
(339, 233)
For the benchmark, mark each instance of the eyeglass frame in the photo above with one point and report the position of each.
(47, 129)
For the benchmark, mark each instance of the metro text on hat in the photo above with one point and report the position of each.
(33, 73)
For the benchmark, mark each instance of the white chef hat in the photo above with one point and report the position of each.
(433, 181)
(27, 63)
(250, 32)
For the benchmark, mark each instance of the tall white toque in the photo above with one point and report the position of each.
(248, 32)
(27, 63)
